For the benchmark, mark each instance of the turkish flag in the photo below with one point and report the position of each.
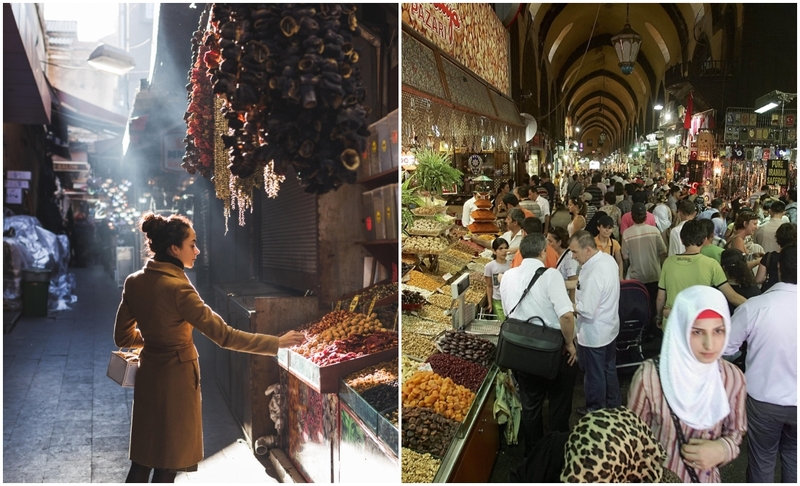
(687, 118)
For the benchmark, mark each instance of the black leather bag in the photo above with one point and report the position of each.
(530, 346)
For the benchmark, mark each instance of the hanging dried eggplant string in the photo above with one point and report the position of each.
(292, 85)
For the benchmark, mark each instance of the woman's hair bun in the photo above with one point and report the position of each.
(151, 223)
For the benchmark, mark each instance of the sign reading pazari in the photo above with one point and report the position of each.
(469, 32)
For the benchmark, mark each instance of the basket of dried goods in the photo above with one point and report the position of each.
(461, 371)
(426, 431)
(419, 279)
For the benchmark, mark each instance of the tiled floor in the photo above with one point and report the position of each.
(65, 421)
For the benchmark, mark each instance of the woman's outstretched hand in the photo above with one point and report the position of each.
(291, 338)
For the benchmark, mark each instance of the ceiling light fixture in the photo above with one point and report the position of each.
(627, 43)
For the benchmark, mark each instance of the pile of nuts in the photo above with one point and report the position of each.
(379, 291)
(426, 431)
(418, 468)
(467, 346)
(427, 389)
(472, 249)
(408, 368)
(461, 371)
(426, 226)
(359, 324)
(419, 279)
(436, 314)
(425, 245)
(327, 321)
(371, 376)
(422, 326)
(477, 281)
(416, 345)
(428, 210)
(441, 300)
(474, 296)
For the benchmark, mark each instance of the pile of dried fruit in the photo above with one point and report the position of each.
(461, 371)
(382, 397)
(393, 417)
(443, 395)
(413, 298)
(424, 327)
(342, 335)
(427, 431)
(467, 346)
(408, 367)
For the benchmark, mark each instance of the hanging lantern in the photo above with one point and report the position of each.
(603, 137)
(627, 44)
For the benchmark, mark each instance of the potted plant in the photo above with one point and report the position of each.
(434, 172)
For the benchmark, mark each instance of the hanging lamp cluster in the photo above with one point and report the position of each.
(291, 85)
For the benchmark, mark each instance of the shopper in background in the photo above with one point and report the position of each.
(767, 274)
(606, 244)
(662, 212)
(644, 249)
(705, 393)
(597, 305)
(574, 188)
(577, 208)
(740, 277)
(791, 205)
(745, 226)
(769, 325)
(548, 300)
(560, 216)
(558, 240)
(158, 311)
(686, 212)
(466, 211)
(491, 272)
(765, 234)
(611, 209)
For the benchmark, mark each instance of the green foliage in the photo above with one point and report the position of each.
(435, 172)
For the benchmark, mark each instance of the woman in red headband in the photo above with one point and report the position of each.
(692, 400)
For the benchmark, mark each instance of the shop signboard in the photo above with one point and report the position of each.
(172, 151)
(777, 172)
(13, 195)
(469, 32)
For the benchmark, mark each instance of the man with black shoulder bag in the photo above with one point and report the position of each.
(537, 296)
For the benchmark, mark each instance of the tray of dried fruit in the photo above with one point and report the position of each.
(372, 393)
(385, 291)
(338, 344)
(412, 300)
(429, 211)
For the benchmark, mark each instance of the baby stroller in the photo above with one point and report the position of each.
(634, 314)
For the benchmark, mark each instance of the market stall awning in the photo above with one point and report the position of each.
(83, 114)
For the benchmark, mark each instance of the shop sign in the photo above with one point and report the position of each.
(765, 154)
(16, 184)
(172, 151)
(777, 172)
(19, 174)
(13, 195)
(469, 32)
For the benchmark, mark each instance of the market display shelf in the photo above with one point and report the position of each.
(373, 419)
(325, 379)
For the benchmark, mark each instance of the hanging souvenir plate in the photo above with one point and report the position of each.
(745, 119)
(753, 119)
(752, 133)
(475, 163)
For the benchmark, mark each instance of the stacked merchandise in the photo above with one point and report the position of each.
(482, 215)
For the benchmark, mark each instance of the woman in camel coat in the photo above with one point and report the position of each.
(159, 309)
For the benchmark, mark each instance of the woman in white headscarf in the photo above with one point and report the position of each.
(693, 400)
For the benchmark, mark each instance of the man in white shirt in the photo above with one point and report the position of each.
(526, 202)
(466, 212)
(548, 300)
(765, 234)
(544, 206)
(768, 323)
(597, 306)
(686, 211)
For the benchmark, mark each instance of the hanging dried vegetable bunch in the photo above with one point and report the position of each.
(292, 85)
(199, 115)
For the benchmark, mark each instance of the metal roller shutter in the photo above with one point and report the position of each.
(289, 231)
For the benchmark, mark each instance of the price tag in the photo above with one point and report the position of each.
(339, 305)
(354, 304)
(447, 276)
(372, 305)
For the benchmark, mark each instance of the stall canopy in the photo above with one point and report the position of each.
(445, 101)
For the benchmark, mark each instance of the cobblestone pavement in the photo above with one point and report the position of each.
(65, 421)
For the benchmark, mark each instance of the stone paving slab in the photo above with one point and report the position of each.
(65, 421)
